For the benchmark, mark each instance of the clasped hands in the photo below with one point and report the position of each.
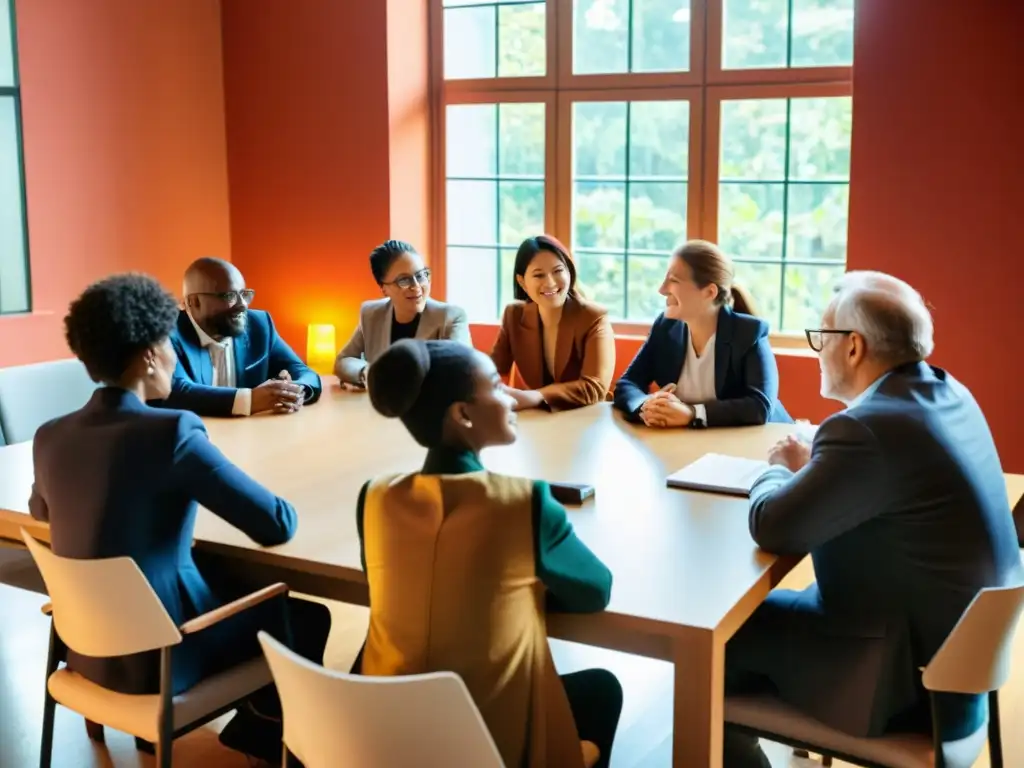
(280, 395)
(664, 410)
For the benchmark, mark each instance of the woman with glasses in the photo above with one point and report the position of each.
(707, 356)
(405, 312)
(562, 346)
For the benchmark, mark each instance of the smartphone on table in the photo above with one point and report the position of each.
(571, 493)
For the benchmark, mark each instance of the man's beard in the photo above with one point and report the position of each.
(226, 325)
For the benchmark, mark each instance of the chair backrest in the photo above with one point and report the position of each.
(31, 395)
(332, 719)
(975, 657)
(103, 607)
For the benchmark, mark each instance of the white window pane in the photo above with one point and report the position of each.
(521, 139)
(822, 33)
(755, 34)
(13, 260)
(600, 36)
(750, 220)
(661, 36)
(599, 138)
(601, 276)
(818, 221)
(808, 291)
(659, 133)
(471, 134)
(646, 274)
(472, 212)
(470, 42)
(764, 282)
(753, 140)
(521, 210)
(472, 275)
(522, 47)
(6, 45)
(819, 138)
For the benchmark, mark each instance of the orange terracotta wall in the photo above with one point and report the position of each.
(124, 150)
(937, 183)
(327, 149)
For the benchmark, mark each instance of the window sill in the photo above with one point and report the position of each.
(12, 316)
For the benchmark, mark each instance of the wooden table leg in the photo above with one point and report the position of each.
(699, 699)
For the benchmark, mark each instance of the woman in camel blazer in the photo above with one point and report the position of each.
(562, 346)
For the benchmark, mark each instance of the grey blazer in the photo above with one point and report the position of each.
(373, 334)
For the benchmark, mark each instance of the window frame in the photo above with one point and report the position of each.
(705, 85)
(14, 92)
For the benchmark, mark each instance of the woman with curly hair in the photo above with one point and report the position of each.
(121, 479)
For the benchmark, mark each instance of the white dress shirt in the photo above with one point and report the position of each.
(696, 384)
(222, 357)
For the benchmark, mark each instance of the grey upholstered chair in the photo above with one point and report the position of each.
(31, 395)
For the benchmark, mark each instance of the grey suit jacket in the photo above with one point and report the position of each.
(903, 509)
(373, 334)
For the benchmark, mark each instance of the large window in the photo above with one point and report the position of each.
(624, 127)
(14, 287)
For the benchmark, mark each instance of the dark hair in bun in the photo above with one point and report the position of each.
(418, 381)
(395, 380)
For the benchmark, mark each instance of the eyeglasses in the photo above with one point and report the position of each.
(231, 297)
(405, 282)
(816, 336)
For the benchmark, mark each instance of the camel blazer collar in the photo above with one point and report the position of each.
(531, 364)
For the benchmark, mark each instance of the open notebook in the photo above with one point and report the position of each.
(716, 473)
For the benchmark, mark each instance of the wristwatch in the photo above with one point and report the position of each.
(697, 422)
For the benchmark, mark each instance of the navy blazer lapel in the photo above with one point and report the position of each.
(679, 338)
(197, 357)
(240, 352)
(723, 347)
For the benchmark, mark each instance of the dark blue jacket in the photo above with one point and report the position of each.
(259, 353)
(746, 376)
(119, 478)
(903, 510)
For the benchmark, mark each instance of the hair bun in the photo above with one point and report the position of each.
(395, 379)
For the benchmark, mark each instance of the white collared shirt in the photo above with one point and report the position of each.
(222, 359)
(868, 392)
(696, 383)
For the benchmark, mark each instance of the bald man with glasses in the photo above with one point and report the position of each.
(231, 361)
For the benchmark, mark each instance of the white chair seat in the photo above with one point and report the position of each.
(768, 714)
(137, 715)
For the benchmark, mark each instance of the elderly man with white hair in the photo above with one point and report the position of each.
(901, 503)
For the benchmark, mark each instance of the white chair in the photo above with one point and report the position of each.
(105, 608)
(974, 659)
(334, 719)
(31, 395)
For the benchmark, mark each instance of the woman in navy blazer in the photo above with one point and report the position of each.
(119, 478)
(707, 354)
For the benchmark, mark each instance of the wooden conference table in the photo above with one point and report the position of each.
(686, 573)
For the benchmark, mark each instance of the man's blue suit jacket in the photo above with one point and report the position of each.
(903, 510)
(119, 478)
(746, 375)
(260, 354)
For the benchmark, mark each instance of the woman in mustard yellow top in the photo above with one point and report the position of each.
(460, 560)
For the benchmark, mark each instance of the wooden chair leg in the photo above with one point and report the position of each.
(95, 731)
(826, 760)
